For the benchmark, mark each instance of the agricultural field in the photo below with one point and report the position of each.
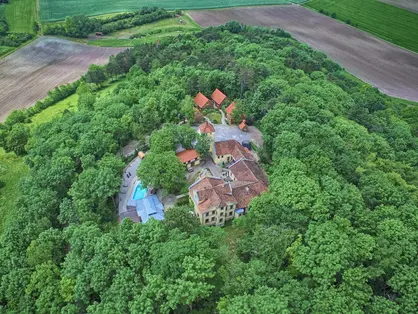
(391, 69)
(28, 74)
(411, 5)
(20, 15)
(55, 10)
(146, 33)
(388, 22)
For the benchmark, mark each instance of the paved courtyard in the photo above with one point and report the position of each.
(232, 132)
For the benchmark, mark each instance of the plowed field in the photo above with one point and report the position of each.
(29, 73)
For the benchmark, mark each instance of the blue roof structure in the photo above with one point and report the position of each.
(150, 207)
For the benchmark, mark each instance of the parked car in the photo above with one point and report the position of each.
(190, 170)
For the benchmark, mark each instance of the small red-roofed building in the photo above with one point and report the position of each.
(202, 102)
(189, 157)
(243, 126)
(229, 111)
(218, 98)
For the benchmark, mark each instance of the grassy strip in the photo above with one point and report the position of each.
(388, 22)
(14, 170)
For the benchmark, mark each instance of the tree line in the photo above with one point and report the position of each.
(82, 26)
(335, 233)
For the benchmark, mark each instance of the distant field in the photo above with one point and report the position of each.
(20, 15)
(388, 22)
(391, 69)
(29, 73)
(411, 5)
(54, 10)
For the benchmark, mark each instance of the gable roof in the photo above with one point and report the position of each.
(187, 155)
(230, 108)
(201, 100)
(206, 128)
(232, 147)
(242, 125)
(250, 181)
(218, 96)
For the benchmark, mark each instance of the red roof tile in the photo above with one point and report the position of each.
(218, 96)
(230, 108)
(242, 125)
(201, 100)
(187, 155)
(232, 147)
(250, 181)
(206, 128)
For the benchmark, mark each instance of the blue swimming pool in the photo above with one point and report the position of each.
(140, 192)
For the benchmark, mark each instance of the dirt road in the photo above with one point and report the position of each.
(28, 74)
(391, 69)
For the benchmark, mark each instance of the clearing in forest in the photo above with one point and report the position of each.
(28, 74)
(55, 10)
(391, 69)
(388, 22)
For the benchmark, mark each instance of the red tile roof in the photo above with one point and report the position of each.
(232, 147)
(206, 128)
(230, 108)
(218, 96)
(187, 155)
(250, 181)
(242, 125)
(201, 100)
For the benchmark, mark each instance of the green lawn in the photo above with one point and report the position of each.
(149, 33)
(55, 10)
(388, 22)
(14, 169)
(69, 103)
(20, 15)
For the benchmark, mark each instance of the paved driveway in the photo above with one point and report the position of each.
(232, 132)
(127, 184)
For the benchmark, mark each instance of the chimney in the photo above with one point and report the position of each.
(230, 188)
(247, 189)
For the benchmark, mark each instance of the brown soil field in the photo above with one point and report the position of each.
(391, 69)
(28, 74)
(411, 5)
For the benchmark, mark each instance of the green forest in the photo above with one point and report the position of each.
(336, 232)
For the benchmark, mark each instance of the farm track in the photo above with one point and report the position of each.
(391, 69)
(28, 74)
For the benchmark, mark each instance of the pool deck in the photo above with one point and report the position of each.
(127, 186)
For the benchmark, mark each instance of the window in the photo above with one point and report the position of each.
(230, 213)
(206, 220)
(222, 214)
(213, 218)
(214, 212)
(221, 220)
(207, 214)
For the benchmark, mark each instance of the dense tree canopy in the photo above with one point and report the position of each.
(335, 233)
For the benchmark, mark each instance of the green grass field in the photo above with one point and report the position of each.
(14, 169)
(150, 33)
(55, 10)
(388, 22)
(20, 15)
